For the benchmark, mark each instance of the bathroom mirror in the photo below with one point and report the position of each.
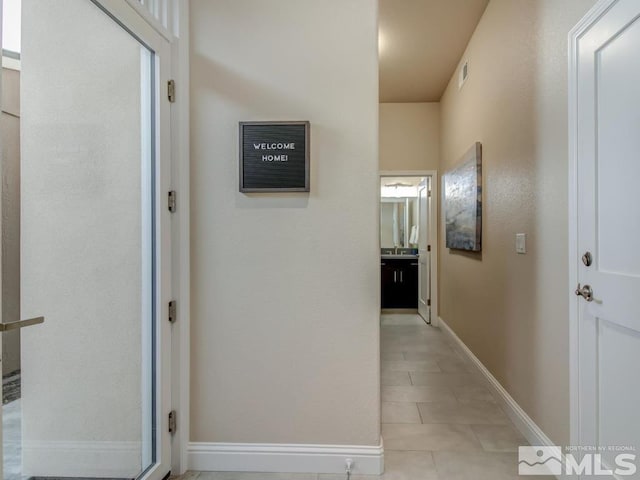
(399, 212)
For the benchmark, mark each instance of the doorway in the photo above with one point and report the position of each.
(408, 246)
(85, 187)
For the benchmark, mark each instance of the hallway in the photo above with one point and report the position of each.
(438, 420)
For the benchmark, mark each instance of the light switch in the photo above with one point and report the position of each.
(521, 243)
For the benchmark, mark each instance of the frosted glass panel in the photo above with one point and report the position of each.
(86, 244)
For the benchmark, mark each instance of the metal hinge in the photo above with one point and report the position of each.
(173, 313)
(173, 422)
(172, 201)
(429, 194)
(171, 90)
(429, 303)
(428, 248)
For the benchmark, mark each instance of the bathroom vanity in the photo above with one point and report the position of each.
(399, 281)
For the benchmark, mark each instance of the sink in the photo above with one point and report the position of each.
(401, 256)
(405, 252)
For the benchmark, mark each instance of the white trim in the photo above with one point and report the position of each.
(281, 458)
(181, 255)
(105, 459)
(156, 22)
(522, 421)
(178, 383)
(11, 63)
(574, 366)
(433, 228)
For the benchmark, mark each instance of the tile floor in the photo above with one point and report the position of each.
(438, 420)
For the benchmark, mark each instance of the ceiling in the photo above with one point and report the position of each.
(421, 42)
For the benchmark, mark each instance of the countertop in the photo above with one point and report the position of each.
(399, 257)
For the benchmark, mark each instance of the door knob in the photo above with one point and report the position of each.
(585, 292)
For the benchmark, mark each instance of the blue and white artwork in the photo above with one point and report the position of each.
(463, 202)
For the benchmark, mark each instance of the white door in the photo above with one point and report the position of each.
(608, 230)
(94, 245)
(424, 255)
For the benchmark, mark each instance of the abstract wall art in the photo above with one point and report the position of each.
(462, 187)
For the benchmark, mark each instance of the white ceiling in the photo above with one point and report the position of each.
(421, 42)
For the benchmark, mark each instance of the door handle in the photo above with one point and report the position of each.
(5, 327)
(395, 276)
(401, 276)
(585, 292)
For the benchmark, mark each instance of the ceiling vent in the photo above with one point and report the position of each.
(463, 74)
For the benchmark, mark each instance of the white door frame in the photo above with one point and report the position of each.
(574, 365)
(433, 228)
(181, 341)
(170, 18)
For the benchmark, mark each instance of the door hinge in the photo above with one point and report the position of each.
(428, 248)
(171, 91)
(172, 201)
(429, 303)
(173, 422)
(173, 312)
(429, 193)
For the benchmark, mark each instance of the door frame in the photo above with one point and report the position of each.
(433, 228)
(592, 16)
(170, 18)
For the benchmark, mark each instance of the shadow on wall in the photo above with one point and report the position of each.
(463, 253)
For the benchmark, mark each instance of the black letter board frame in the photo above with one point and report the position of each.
(271, 129)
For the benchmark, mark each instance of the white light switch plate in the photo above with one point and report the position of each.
(521, 243)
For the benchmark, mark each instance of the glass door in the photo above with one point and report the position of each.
(85, 170)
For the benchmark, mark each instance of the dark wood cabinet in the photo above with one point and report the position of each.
(399, 283)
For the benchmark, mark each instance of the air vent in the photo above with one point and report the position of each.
(463, 74)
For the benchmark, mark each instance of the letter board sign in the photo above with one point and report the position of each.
(274, 156)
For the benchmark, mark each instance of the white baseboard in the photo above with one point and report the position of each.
(81, 459)
(252, 457)
(522, 421)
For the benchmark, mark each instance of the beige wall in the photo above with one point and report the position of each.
(409, 136)
(512, 310)
(285, 287)
(10, 127)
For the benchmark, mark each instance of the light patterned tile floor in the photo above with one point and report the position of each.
(439, 422)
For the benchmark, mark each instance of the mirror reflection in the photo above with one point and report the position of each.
(399, 213)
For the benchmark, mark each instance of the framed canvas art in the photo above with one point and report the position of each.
(462, 191)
